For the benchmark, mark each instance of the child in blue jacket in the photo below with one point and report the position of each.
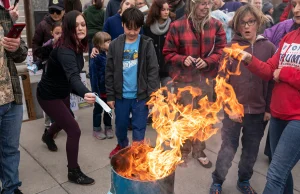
(101, 41)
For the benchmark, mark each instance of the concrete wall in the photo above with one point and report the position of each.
(40, 5)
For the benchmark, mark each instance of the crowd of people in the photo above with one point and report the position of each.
(137, 46)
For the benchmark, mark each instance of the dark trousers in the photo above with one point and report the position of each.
(59, 111)
(267, 150)
(196, 146)
(97, 116)
(139, 110)
(253, 131)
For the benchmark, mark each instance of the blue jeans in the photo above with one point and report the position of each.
(10, 126)
(139, 110)
(253, 131)
(285, 149)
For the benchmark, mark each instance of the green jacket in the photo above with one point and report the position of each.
(94, 19)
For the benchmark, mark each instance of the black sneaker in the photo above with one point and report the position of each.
(76, 176)
(47, 139)
(17, 191)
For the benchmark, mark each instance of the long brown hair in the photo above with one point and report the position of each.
(121, 5)
(69, 38)
(154, 11)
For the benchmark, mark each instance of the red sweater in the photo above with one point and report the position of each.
(285, 102)
(182, 41)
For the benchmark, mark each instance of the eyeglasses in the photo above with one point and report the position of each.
(52, 11)
(249, 23)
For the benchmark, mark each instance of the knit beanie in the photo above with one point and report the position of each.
(266, 7)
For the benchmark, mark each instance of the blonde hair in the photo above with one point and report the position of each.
(100, 38)
(242, 11)
(191, 13)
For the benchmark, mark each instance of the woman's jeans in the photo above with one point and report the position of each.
(59, 111)
(285, 149)
(10, 126)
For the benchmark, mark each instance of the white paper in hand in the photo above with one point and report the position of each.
(105, 107)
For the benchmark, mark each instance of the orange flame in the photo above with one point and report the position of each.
(176, 123)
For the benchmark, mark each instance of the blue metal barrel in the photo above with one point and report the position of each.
(123, 185)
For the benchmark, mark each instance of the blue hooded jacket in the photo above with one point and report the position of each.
(97, 73)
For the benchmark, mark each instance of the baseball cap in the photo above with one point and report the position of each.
(56, 4)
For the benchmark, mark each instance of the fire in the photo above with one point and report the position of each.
(233, 51)
(176, 123)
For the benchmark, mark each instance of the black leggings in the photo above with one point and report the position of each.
(59, 111)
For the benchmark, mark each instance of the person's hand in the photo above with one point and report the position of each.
(189, 61)
(267, 116)
(11, 44)
(200, 63)
(276, 75)
(14, 12)
(111, 104)
(90, 98)
(245, 56)
(238, 54)
(236, 118)
(94, 52)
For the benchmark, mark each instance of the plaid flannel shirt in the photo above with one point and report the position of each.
(18, 56)
(182, 41)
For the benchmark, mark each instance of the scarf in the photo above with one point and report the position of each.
(160, 29)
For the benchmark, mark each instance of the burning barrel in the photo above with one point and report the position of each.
(124, 185)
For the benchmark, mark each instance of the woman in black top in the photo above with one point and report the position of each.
(60, 79)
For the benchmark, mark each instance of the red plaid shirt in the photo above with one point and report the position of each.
(182, 41)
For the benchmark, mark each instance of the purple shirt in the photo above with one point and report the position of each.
(277, 32)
